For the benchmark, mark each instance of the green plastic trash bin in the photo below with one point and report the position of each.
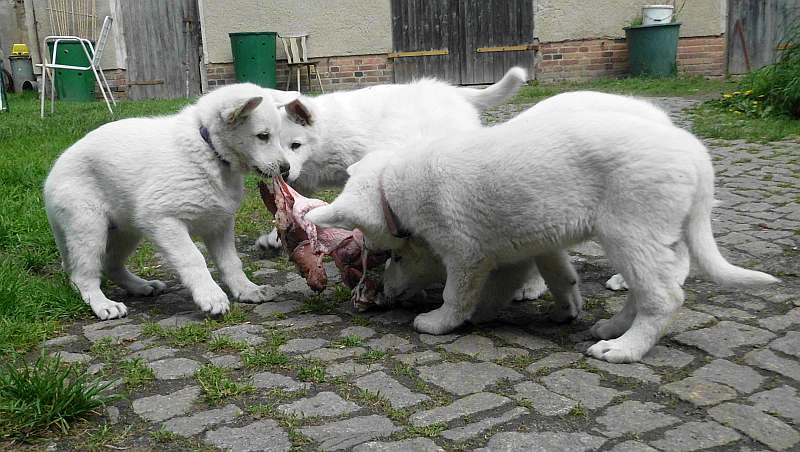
(72, 85)
(653, 49)
(254, 57)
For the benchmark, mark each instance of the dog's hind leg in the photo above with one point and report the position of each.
(651, 270)
(171, 236)
(85, 239)
(222, 248)
(500, 287)
(121, 244)
(562, 279)
(461, 295)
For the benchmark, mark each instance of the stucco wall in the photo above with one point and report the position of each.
(336, 27)
(561, 20)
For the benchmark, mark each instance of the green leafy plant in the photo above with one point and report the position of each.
(46, 394)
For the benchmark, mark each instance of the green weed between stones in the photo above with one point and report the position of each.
(46, 395)
(217, 385)
(136, 372)
(106, 349)
(371, 356)
(221, 343)
(264, 358)
(313, 373)
(194, 333)
(163, 436)
(104, 437)
(348, 341)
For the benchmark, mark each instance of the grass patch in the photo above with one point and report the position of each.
(371, 356)
(430, 431)
(220, 343)
(313, 373)
(106, 349)
(264, 358)
(136, 373)
(348, 341)
(189, 334)
(163, 436)
(217, 385)
(677, 86)
(714, 120)
(46, 395)
(318, 304)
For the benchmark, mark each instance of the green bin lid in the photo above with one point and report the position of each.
(253, 33)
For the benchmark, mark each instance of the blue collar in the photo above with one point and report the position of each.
(207, 138)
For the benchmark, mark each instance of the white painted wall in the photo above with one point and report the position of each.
(335, 27)
(561, 20)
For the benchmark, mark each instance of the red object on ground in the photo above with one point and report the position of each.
(308, 244)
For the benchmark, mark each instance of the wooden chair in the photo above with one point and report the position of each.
(294, 45)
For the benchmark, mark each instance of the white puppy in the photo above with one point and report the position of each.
(534, 186)
(164, 178)
(419, 268)
(324, 135)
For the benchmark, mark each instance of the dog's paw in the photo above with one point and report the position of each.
(108, 309)
(617, 283)
(256, 294)
(438, 321)
(269, 241)
(150, 288)
(213, 301)
(532, 290)
(614, 351)
(607, 329)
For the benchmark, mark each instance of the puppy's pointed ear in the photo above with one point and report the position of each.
(241, 110)
(331, 216)
(299, 113)
(352, 168)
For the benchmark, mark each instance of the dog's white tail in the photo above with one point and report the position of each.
(497, 93)
(701, 242)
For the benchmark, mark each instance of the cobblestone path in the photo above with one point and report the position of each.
(304, 372)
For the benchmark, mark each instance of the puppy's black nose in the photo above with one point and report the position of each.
(284, 168)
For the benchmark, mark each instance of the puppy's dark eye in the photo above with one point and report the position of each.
(396, 258)
(295, 145)
(263, 136)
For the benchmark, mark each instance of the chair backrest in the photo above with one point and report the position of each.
(294, 45)
(105, 30)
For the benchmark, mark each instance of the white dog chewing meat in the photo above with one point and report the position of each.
(532, 187)
(166, 179)
(324, 135)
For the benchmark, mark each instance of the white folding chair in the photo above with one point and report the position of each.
(93, 55)
(294, 45)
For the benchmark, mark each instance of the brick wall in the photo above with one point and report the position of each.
(598, 58)
(568, 60)
(336, 73)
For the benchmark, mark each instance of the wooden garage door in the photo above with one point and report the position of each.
(162, 41)
(462, 41)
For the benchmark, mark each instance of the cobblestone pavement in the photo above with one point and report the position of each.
(304, 372)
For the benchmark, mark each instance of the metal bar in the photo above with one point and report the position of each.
(419, 53)
(516, 48)
(145, 82)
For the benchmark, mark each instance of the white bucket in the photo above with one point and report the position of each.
(657, 14)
